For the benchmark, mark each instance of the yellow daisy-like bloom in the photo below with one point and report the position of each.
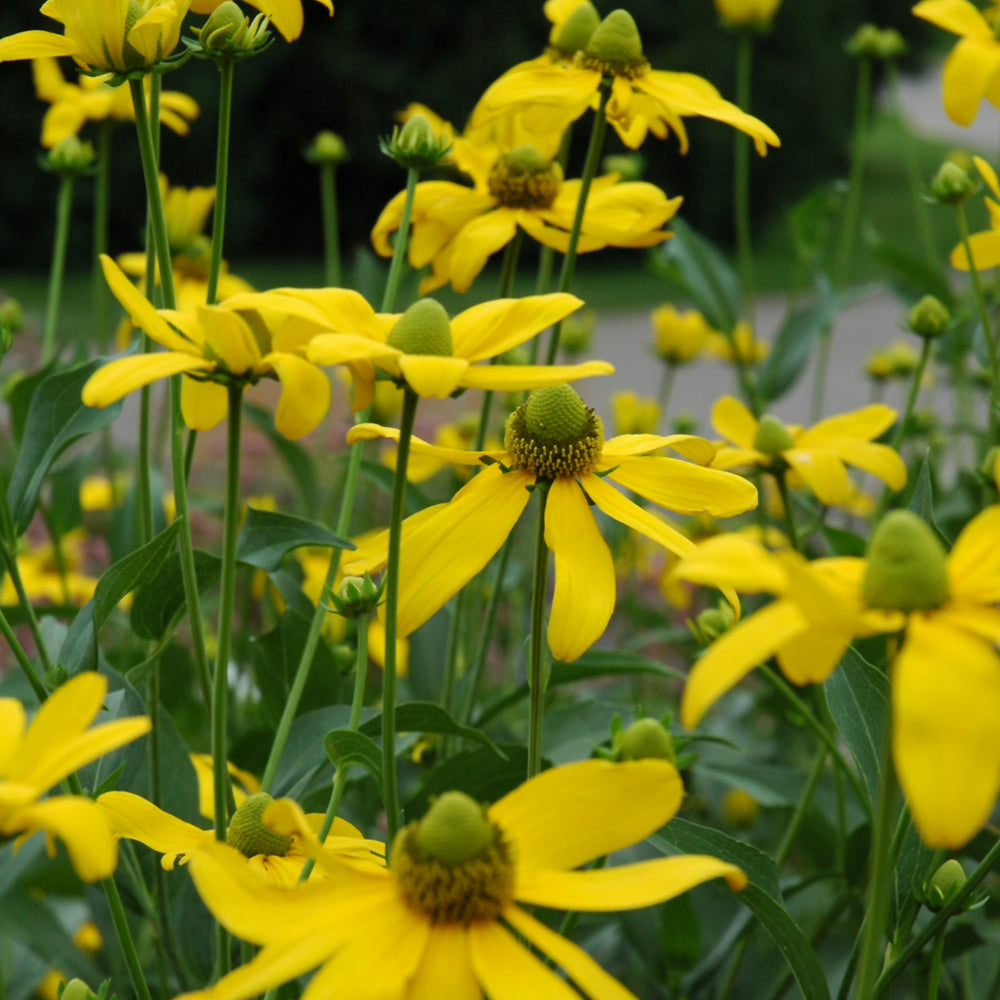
(216, 346)
(106, 36)
(92, 100)
(679, 337)
(456, 228)
(443, 921)
(753, 14)
(285, 15)
(985, 245)
(275, 859)
(972, 69)
(555, 441)
(36, 757)
(642, 99)
(818, 455)
(435, 356)
(945, 677)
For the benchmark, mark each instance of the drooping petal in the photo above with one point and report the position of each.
(512, 378)
(118, 378)
(974, 561)
(879, 460)
(969, 71)
(946, 729)
(694, 448)
(229, 338)
(432, 376)
(549, 820)
(477, 242)
(985, 249)
(864, 424)
(491, 328)
(35, 44)
(823, 472)
(957, 16)
(566, 88)
(734, 421)
(585, 586)
(204, 405)
(305, 394)
(134, 818)
(508, 971)
(446, 969)
(457, 456)
(734, 560)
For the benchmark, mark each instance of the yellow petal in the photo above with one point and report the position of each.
(446, 969)
(118, 378)
(432, 376)
(457, 456)
(584, 597)
(957, 16)
(34, 44)
(985, 249)
(734, 421)
(969, 71)
(694, 448)
(946, 730)
(508, 971)
(865, 424)
(12, 724)
(204, 405)
(339, 348)
(734, 560)
(974, 561)
(493, 327)
(230, 339)
(879, 460)
(511, 378)
(549, 819)
(132, 817)
(305, 394)
(477, 242)
(823, 472)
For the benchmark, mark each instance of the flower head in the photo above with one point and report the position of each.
(443, 920)
(285, 15)
(555, 442)
(36, 757)
(679, 337)
(753, 14)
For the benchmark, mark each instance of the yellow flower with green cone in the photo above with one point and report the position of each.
(36, 757)
(443, 547)
(106, 36)
(444, 920)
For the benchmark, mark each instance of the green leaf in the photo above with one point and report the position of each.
(297, 460)
(858, 696)
(156, 604)
(922, 498)
(345, 747)
(56, 418)
(267, 536)
(425, 717)
(762, 896)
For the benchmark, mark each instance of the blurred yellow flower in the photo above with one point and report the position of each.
(753, 14)
(985, 245)
(87, 937)
(634, 414)
(53, 580)
(742, 345)
(679, 337)
(244, 783)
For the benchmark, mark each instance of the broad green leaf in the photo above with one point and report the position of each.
(56, 418)
(425, 717)
(762, 896)
(345, 747)
(156, 604)
(267, 536)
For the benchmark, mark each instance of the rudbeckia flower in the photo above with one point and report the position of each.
(36, 757)
(444, 920)
(456, 228)
(972, 69)
(216, 346)
(285, 15)
(642, 99)
(985, 245)
(275, 859)
(552, 440)
(435, 356)
(92, 100)
(818, 455)
(106, 36)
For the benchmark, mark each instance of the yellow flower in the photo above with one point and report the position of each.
(972, 69)
(92, 100)
(679, 337)
(50, 580)
(985, 246)
(456, 228)
(443, 547)
(443, 920)
(818, 455)
(36, 757)
(216, 346)
(285, 15)
(435, 355)
(743, 345)
(106, 36)
(898, 360)
(754, 14)
(274, 860)
(642, 99)
(634, 414)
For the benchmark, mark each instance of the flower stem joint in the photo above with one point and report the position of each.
(358, 596)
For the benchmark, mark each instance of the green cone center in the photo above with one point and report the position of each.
(615, 47)
(524, 178)
(772, 437)
(553, 433)
(423, 329)
(248, 834)
(575, 32)
(907, 565)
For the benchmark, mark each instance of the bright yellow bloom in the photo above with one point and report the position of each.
(443, 547)
(106, 36)
(48, 580)
(972, 69)
(92, 100)
(435, 355)
(36, 757)
(754, 14)
(679, 337)
(216, 346)
(421, 930)
(134, 818)
(285, 15)
(818, 455)
(985, 245)
(642, 99)
(456, 229)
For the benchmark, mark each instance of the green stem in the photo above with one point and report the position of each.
(225, 65)
(538, 655)
(331, 227)
(911, 396)
(589, 173)
(102, 203)
(41, 693)
(389, 776)
(666, 388)
(64, 205)
(786, 503)
(859, 141)
(937, 953)
(741, 175)
(125, 940)
(24, 600)
(402, 239)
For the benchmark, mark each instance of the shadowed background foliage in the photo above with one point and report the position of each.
(354, 72)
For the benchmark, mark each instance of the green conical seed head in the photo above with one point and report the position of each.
(616, 40)
(227, 18)
(454, 830)
(772, 437)
(248, 834)
(423, 329)
(945, 883)
(555, 415)
(525, 160)
(577, 30)
(907, 568)
(646, 738)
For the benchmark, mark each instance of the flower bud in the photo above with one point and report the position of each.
(578, 332)
(711, 623)
(70, 157)
(951, 184)
(645, 738)
(230, 34)
(747, 15)
(944, 885)
(890, 45)
(11, 315)
(357, 596)
(415, 145)
(631, 166)
(929, 318)
(684, 423)
(326, 147)
(77, 989)
(740, 809)
(864, 43)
